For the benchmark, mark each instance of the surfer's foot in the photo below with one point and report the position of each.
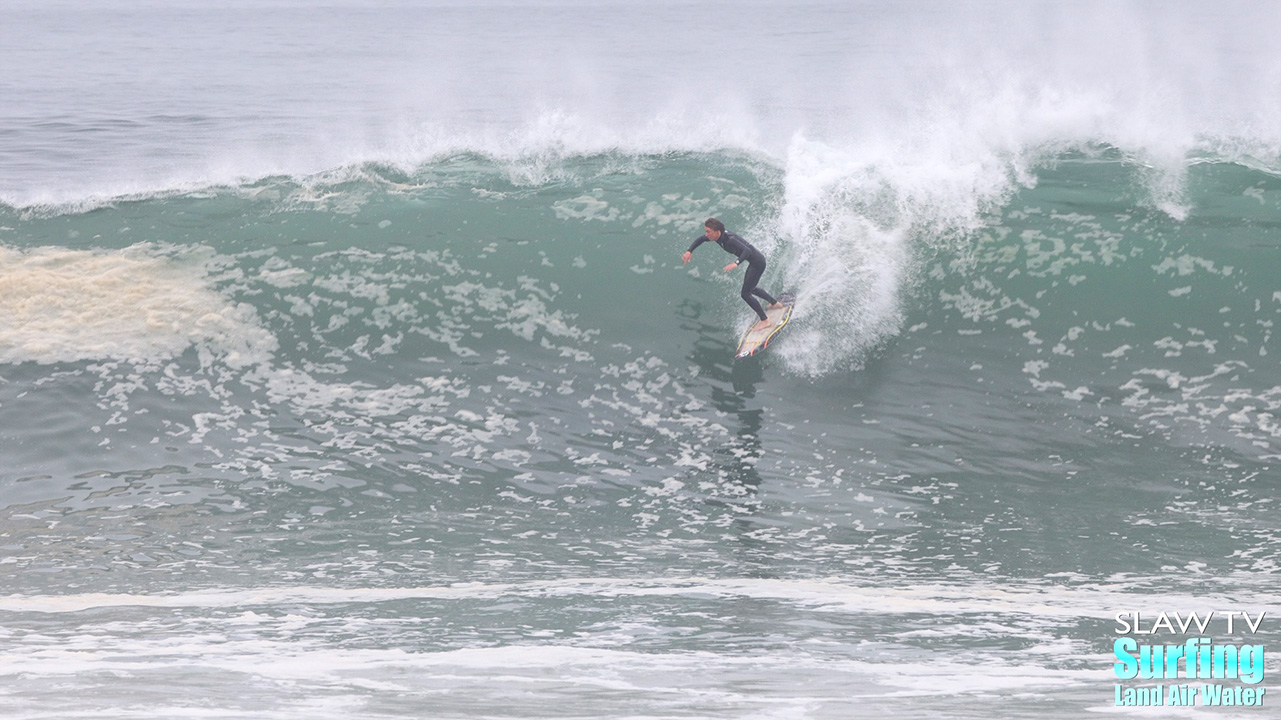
(776, 306)
(762, 325)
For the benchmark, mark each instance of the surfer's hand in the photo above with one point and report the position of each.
(685, 258)
(731, 266)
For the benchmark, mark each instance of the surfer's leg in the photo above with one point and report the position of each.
(755, 306)
(753, 276)
(755, 269)
(765, 296)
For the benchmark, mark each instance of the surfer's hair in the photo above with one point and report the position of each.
(714, 224)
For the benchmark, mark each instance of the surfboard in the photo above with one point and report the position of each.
(756, 340)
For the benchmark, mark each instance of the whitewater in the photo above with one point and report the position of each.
(349, 368)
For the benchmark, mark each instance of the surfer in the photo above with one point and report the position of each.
(714, 231)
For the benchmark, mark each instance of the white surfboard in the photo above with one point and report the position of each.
(756, 340)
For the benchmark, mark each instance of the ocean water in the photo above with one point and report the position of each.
(348, 366)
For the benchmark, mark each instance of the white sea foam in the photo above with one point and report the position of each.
(275, 644)
(142, 304)
(270, 672)
(1039, 600)
(244, 631)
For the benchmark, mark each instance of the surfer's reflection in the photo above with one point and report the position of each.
(731, 386)
(731, 486)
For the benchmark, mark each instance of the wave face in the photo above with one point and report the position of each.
(359, 335)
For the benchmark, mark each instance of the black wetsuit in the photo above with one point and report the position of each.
(743, 250)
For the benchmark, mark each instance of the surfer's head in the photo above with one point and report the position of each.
(713, 229)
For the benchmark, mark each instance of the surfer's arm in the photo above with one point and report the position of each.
(690, 252)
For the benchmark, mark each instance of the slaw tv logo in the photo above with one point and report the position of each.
(1231, 672)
